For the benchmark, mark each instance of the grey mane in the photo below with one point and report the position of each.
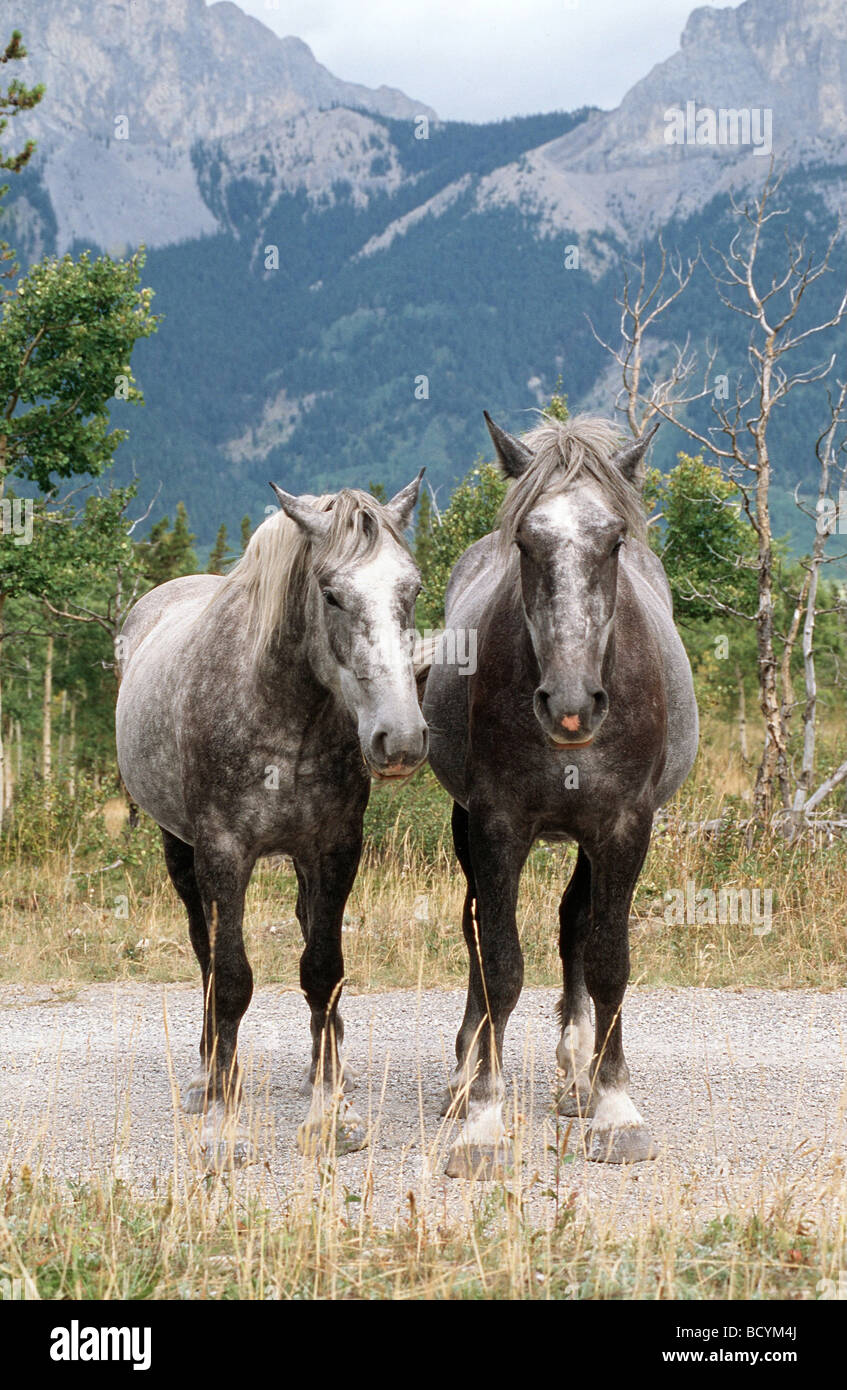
(276, 569)
(565, 454)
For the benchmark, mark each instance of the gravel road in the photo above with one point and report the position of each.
(744, 1092)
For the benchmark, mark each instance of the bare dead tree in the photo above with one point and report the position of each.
(644, 299)
(831, 452)
(740, 439)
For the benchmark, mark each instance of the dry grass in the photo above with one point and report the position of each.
(402, 922)
(216, 1238)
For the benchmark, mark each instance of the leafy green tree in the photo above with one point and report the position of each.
(471, 514)
(168, 552)
(66, 338)
(703, 541)
(16, 98)
(220, 553)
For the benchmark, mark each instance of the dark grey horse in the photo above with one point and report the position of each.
(579, 721)
(252, 712)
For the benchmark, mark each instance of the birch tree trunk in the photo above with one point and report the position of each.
(742, 717)
(2, 749)
(72, 751)
(47, 715)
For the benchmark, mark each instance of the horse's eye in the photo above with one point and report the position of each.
(521, 546)
(617, 545)
(331, 599)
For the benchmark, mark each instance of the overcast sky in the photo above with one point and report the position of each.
(479, 60)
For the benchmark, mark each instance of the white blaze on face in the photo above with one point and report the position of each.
(379, 683)
(576, 527)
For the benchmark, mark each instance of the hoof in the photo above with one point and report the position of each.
(223, 1145)
(350, 1136)
(197, 1096)
(575, 1104)
(626, 1144)
(340, 1131)
(482, 1162)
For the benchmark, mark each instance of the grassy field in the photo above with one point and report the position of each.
(82, 900)
(99, 1241)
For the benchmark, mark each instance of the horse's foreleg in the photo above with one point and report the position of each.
(576, 1043)
(618, 1131)
(497, 853)
(222, 871)
(468, 1034)
(324, 886)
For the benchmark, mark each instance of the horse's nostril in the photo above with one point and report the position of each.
(601, 702)
(542, 696)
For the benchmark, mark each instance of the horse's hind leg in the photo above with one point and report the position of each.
(618, 1132)
(324, 885)
(179, 858)
(576, 1044)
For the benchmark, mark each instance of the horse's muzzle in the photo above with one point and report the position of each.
(570, 720)
(394, 756)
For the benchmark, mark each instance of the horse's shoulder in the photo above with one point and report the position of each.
(172, 599)
(475, 561)
(642, 562)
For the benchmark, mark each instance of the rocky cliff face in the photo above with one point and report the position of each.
(680, 136)
(134, 85)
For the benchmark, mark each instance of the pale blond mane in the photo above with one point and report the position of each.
(281, 561)
(566, 453)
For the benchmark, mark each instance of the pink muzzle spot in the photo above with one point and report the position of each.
(570, 722)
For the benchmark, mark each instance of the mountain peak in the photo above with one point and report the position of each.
(772, 71)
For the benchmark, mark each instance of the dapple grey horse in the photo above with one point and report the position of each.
(578, 722)
(253, 711)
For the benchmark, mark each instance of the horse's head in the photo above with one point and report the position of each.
(574, 501)
(361, 617)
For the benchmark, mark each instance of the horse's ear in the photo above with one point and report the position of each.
(313, 522)
(630, 459)
(513, 456)
(402, 504)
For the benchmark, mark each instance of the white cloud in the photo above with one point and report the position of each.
(480, 60)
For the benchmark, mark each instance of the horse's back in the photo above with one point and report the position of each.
(176, 599)
(152, 667)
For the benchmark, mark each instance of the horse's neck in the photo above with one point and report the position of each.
(299, 670)
(293, 673)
